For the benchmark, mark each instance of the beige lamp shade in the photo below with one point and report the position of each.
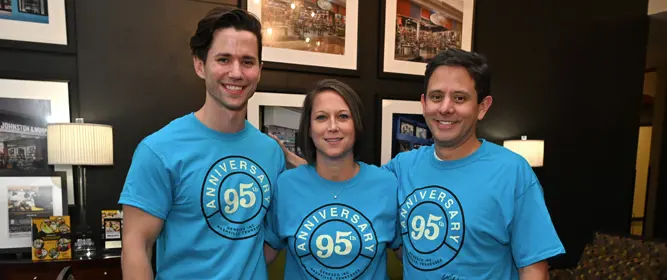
(79, 143)
(531, 150)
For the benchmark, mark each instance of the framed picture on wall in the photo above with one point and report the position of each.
(403, 128)
(26, 107)
(415, 31)
(308, 35)
(278, 114)
(24, 197)
(36, 24)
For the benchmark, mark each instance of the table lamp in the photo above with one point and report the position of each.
(531, 150)
(80, 144)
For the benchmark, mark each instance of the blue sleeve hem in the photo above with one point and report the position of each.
(540, 257)
(141, 204)
(275, 245)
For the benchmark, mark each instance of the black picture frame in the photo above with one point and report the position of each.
(384, 149)
(70, 48)
(381, 50)
(300, 68)
(63, 183)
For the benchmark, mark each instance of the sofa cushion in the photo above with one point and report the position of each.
(616, 257)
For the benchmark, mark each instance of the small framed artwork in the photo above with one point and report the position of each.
(112, 225)
(403, 128)
(24, 197)
(37, 25)
(26, 107)
(308, 35)
(415, 31)
(278, 114)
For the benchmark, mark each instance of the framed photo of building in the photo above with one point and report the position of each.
(36, 24)
(26, 107)
(278, 114)
(416, 30)
(308, 35)
(24, 197)
(403, 128)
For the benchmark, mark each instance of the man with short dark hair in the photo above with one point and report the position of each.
(202, 184)
(469, 209)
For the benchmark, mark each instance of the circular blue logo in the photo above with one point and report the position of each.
(235, 196)
(432, 219)
(335, 241)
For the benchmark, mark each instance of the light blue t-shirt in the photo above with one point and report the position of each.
(479, 217)
(212, 190)
(334, 230)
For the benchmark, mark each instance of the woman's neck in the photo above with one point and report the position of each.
(339, 169)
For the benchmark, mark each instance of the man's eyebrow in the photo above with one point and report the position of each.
(249, 57)
(229, 55)
(462, 92)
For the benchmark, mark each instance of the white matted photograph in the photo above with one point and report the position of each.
(403, 128)
(320, 33)
(26, 197)
(278, 114)
(35, 21)
(416, 30)
(26, 107)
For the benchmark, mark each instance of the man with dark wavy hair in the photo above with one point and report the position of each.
(199, 187)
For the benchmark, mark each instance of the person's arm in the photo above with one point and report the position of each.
(270, 254)
(146, 200)
(290, 157)
(536, 271)
(140, 230)
(533, 237)
(399, 253)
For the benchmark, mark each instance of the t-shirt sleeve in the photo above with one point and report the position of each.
(148, 185)
(392, 165)
(398, 238)
(533, 236)
(271, 223)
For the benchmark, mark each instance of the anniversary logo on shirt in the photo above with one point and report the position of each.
(432, 226)
(335, 241)
(236, 194)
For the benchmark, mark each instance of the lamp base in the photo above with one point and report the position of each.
(84, 247)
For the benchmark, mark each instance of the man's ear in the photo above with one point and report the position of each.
(484, 107)
(423, 101)
(199, 66)
(259, 77)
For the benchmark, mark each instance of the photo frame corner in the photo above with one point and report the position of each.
(58, 93)
(26, 31)
(22, 244)
(388, 107)
(271, 98)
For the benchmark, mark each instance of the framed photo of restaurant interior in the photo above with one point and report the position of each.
(308, 35)
(416, 30)
(26, 107)
(279, 114)
(40, 25)
(403, 128)
(24, 197)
